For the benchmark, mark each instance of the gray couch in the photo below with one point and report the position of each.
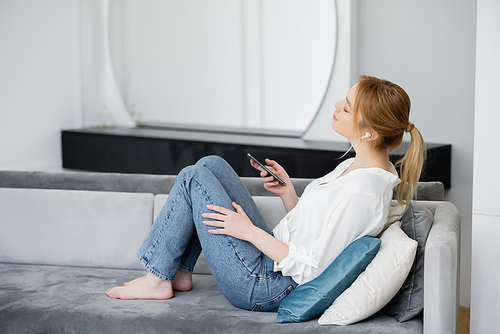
(65, 237)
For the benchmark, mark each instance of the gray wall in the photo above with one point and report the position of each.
(428, 47)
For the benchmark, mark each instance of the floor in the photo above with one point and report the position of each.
(463, 320)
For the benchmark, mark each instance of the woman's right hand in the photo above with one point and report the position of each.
(287, 193)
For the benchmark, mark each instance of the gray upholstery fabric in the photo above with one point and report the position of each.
(442, 252)
(254, 185)
(156, 184)
(430, 191)
(56, 299)
(141, 183)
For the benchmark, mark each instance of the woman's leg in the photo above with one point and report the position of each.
(238, 267)
(244, 274)
(238, 193)
(165, 246)
(236, 190)
(162, 250)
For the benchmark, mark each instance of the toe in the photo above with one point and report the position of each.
(112, 293)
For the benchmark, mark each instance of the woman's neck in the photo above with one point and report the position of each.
(367, 157)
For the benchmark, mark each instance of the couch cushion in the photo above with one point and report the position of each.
(76, 228)
(310, 299)
(271, 208)
(53, 299)
(381, 280)
(409, 301)
(255, 186)
(93, 181)
(156, 184)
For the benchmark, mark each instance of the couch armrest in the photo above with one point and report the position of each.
(441, 273)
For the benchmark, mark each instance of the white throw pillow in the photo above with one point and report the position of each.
(378, 284)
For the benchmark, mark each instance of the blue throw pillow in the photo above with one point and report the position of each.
(310, 299)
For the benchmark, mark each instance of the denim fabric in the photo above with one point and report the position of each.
(245, 276)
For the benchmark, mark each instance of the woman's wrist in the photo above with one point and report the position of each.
(253, 234)
(289, 199)
(268, 245)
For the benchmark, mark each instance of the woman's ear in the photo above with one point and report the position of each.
(366, 135)
(374, 135)
(370, 135)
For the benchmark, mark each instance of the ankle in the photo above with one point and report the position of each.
(154, 280)
(183, 281)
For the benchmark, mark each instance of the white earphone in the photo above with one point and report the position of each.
(367, 135)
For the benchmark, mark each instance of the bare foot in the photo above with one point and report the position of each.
(146, 287)
(127, 283)
(183, 281)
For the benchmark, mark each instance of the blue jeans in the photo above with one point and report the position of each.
(244, 274)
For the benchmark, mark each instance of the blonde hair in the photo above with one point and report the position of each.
(384, 107)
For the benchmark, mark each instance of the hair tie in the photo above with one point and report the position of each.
(410, 127)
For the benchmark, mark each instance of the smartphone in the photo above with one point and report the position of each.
(266, 169)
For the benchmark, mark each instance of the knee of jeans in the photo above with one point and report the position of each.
(190, 171)
(212, 160)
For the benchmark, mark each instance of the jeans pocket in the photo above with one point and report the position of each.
(273, 304)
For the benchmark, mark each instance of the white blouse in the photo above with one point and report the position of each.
(332, 212)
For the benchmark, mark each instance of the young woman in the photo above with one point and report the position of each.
(210, 209)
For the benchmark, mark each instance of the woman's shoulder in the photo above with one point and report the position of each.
(341, 167)
(344, 164)
(373, 181)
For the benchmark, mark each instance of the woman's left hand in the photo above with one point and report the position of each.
(238, 225)
(235, 224)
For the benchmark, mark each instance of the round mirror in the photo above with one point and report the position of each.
(262, 65)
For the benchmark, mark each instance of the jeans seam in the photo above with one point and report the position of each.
(152, 249)
(156, 241)
(203, 190)
(274, 274)
(208, 198)
(235, 250)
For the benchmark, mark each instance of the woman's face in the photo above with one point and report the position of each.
(343, 122)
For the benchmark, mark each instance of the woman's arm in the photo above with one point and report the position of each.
(355, 215)
(238, 225)
(287, 193)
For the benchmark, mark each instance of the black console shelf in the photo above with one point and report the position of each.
(167, 151)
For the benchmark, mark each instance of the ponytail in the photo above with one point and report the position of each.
(410, 167)
(385, 107)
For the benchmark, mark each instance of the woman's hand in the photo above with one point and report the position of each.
(270, 183)
(238, 225)
(235, 224)
(287, 193)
